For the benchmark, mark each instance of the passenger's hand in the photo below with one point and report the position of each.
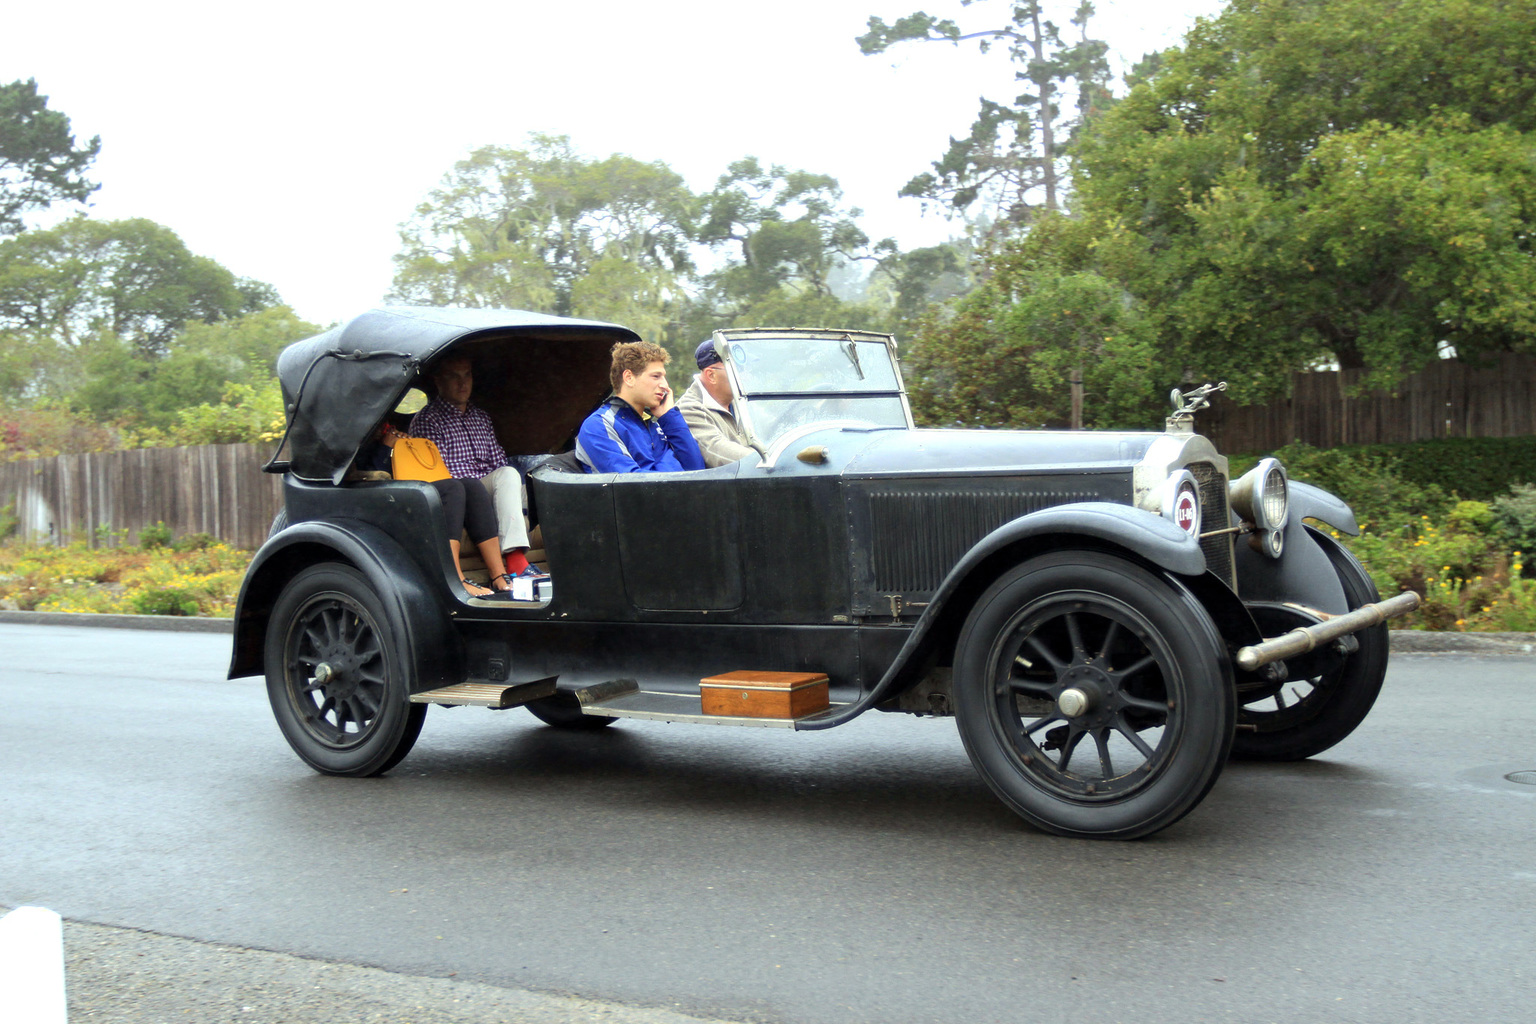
(664, 402)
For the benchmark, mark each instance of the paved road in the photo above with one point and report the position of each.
(858, 875)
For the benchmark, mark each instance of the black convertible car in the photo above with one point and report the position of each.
(1107, 616)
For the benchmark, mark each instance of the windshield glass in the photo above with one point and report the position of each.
(801, 365)
(774, 417)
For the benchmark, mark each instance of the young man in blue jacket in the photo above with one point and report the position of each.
(639, 429)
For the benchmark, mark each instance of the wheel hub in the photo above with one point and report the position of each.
(1073, 701)
(1083, 698)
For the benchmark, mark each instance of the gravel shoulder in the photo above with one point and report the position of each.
(127, 976)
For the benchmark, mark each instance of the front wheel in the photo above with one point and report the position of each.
(1094, 698)
(335, 681)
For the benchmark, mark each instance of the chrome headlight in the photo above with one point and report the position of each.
(1180, 502)
(1261, 495)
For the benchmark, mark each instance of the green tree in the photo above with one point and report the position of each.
(785, 239)
(1310, 181)
(123, 385)
(40, 163)
(1013, 156)
(133, 279)
(546, 229)
(1036, 347)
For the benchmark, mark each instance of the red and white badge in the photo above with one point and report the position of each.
(1186, 510)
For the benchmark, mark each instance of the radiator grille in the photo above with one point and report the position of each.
(920, 535)
(1214, 515)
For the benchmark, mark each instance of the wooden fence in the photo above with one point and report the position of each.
(1448, 399)
(215, 489)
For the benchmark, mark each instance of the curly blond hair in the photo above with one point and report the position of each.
(634, 356)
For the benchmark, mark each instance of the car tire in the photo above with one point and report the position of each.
(279, 523)
(337, 684)
(1320, 711)
(1148, 662)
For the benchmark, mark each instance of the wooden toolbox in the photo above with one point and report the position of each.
(749, 694)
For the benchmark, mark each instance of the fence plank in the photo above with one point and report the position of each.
(214, 489)
(1447, 399)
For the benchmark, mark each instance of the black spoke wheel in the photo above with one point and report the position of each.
(334, 678)
(1307, 715)
(1093, 697)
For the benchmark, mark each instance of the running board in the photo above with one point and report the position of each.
(623, 698)
(487, 695)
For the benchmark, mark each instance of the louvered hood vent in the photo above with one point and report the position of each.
(923, 532)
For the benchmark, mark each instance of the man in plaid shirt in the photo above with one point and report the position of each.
(463, 433)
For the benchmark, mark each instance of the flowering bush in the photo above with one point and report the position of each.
(201, 581)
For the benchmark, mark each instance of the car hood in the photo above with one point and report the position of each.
(921, 452)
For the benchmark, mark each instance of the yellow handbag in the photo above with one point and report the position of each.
(417, 458)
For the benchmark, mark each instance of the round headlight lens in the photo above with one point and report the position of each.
(1274, 497)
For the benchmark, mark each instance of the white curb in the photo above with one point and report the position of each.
(32, 967)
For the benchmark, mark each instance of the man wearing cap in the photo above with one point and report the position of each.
(707, 407)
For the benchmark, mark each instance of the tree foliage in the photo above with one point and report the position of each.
(1010, 353)
(199, 367)
(40, 163)
(133, 279)
(544, 228)
(1309, 181)
(1013, 156)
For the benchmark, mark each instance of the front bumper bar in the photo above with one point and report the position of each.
(1306, 638)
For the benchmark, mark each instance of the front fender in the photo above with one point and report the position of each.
(418, 619)
(1103, 525)
(1303, 574)
(1309, 502)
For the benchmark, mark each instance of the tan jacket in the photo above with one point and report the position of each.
(720, 437)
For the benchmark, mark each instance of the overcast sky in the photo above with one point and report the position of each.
(287, 140)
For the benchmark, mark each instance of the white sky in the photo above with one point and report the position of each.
(287, 140)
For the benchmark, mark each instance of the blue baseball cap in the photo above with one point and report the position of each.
(705, 354)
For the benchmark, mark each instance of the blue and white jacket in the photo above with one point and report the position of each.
(614, 439)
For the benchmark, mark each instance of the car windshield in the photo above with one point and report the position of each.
(793, 366)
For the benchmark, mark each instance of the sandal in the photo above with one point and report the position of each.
(476, 590)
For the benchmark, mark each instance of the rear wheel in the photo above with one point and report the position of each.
(1306, 716)
(1093, 697)
(335, 681)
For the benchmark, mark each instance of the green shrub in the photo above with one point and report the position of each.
(156, 536)
(165, 601)
(9, 522)
(1473, 467)
(1477, 468)
(1514, 518)
(1369, 483)
(1474, 517)
(194, 542)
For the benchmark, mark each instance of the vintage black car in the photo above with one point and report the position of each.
(1091, 608)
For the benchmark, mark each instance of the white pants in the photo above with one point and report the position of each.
(506, 488)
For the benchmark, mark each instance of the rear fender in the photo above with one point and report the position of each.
(420, 623)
